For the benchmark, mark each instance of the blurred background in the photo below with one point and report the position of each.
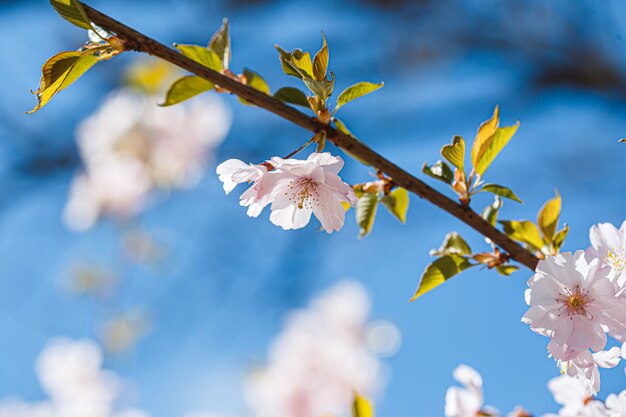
(115, 233)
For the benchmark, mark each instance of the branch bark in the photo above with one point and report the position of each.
(136, 41)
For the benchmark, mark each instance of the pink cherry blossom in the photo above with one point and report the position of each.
(466, 401)
(575, 397)
(609, 244)
(296, 188)
(572, 301)
(302, 188)
(586, 366)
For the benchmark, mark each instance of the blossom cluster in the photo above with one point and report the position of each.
(324, 353)
(131, 147)
(577, 299)
(573, 394)
(295, 188)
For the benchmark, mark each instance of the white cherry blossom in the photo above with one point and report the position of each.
(572, 301)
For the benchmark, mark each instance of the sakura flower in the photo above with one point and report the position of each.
(575, 397)
(571, 300)
(466, 401)
(616, 404)
(609, 244)
(296, 188)
(585, 366)
(302, 188)
(319, 359)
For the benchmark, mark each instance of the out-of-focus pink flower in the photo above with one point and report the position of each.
(571, 301)
(575, 397)
(585, 366)
(616, 404)
(319, 359)
(130, 146)
(466, 401)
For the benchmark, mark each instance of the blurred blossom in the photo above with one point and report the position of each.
(130, 146)
(466, 401)
(140, 247)
(319, 359)
(383, 337)
(122, 332)
(86, 278)
(71, 374)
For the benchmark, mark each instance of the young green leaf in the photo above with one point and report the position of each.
(285, 61)
(220, 44)
(486, 130)
(321, 88)
(439, 171)
(490, 213)
(455, 152)
(453, 244)
(292, 95)
(254, 80)
(559, 238)
(548, 218)
(397, 202)
(201, 55)
(73, 12)
(493, 146)
(366, 207)
(355, 91)
(184, 88)
(301, 61)
(439, 272)
(501, 191)
(506, 270)
(523, 231)
(320, 61)
(60, 71)
(361, 407)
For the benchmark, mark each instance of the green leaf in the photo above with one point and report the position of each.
(73, 12)
(397, 202)
(501, 191)
(559, 238)
(366, 207)
(285, 61)
(254, 80)
(220, 44)
(548, 218)
(292, 95)
(485, 132)
(453, 244)
(355, 91)
(320, 61)
(439, 272)
(523, 231)
(201, 55)
(60, 71)
(361, 407)
(321, 88)
(506, 270)
(455, 152)
(184, 88)
(302, 63)
(498, 141)
(490, 213)
(439, 171)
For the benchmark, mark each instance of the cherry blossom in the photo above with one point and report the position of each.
(616, 404)
(571, 301)
(575, 397)
(585, 366)
(466, 401)
(295, 188)
(608, 243)
(319, 359)
(71, 375)
(130, 147)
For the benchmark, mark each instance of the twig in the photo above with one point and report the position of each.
(136, 41)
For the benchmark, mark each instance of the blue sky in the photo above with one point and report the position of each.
(230, 279)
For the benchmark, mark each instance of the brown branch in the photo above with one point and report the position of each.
(136, 41)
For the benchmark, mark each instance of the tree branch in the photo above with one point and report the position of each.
(136, 41)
